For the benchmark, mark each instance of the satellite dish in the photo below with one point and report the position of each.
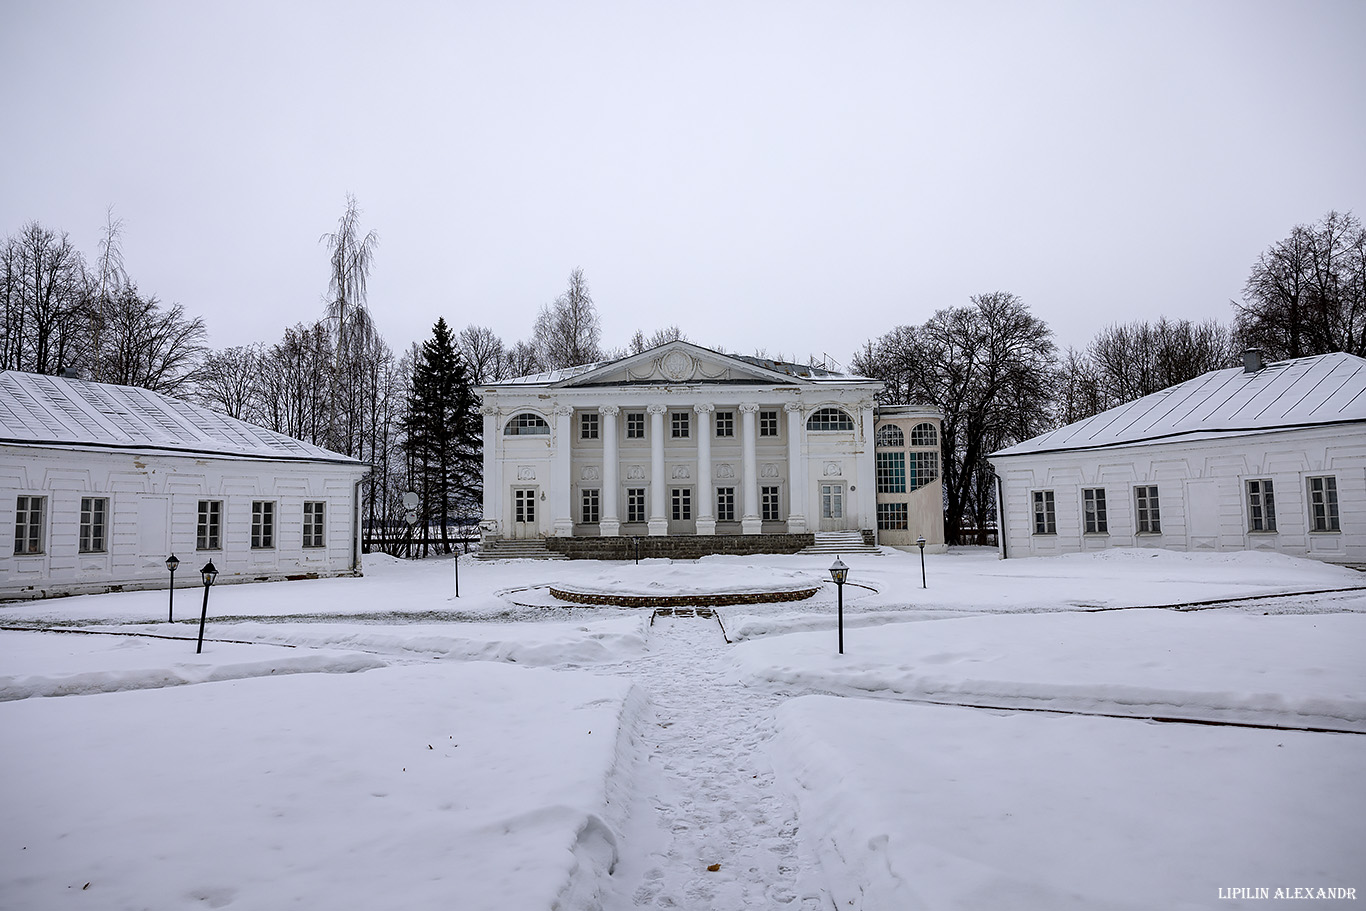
(410, 500)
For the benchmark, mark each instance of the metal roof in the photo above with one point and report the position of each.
(1304, 392)
(36, 409)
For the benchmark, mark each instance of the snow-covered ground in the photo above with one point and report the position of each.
(376, 742)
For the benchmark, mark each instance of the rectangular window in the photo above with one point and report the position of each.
(891, 472)
(1323, 504)
(725, 423)
(1093, 511)
(588, 426)
(209, 533)
(262, 524)
(314, 510)
(892, 517)
(635, 425)
(924, 468)
(725, 504)
(682, 503)
(1147, 516)
(28, 525)
(680, 424)
(1045, 518)
(590, 506)
(768, 423)
(635, 504)
(768, 504)
(94, 525)
(1261, 505)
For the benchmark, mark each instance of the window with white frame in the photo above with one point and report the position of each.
(889, 435)
(526, 423)
(891, 472)
(209, 528)
(591, 511)
(1147, 515)
(588, 425)
(1323, 504)
(314, 513)
(28, 524)
(1094, 521)
(262, 524)
(725, 423)
(924, 435)
(768, 423)
(1045, 514)
(635, 425)
(892, 517)
(830, 419)
(725, 504)
(769, 504)
(681, 426)
(94, 525)
(924, 468)
(635, 504)
(1261, 505)
(681, 498)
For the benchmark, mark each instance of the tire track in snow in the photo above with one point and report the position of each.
(704, 792)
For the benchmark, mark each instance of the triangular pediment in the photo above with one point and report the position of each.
(679, 362)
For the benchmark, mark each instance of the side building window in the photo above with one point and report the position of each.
(1323, 504)
(314, 512)
(892, 517)
(1094, 521)
(924, 435)
(890, 435)
(891, 472)
(1045, 516)
(1261, 506)
(28, 524)
(924, 468)
(1147, 516)
(94, 525)
(262, 524)
(209, 531)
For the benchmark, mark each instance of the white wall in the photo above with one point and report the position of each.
(153, 511)
(1202, 494)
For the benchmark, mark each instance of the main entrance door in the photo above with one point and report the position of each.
(524, 512)
(832, 507)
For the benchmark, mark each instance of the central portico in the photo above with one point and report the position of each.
(679, 441)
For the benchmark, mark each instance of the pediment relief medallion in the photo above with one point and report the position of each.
(768, 471)
(589, 473)
(725, 470)
(681, 472)
(833, 469)
(635, 473)
(677, 367)
(526, 472)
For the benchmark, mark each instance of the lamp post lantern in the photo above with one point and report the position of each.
(171, 564)
(839, 572)
(209, 573)
(921, 541)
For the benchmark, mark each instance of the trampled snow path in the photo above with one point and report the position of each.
(704, 791)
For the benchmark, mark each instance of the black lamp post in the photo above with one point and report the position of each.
(839, 572)
(635, 539)
(171, 564)
(457, 574)
(209, 572)
(921, 541)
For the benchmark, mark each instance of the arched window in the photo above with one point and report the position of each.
(830, 419)
(924, 435)
(890, 435)
(524, 424)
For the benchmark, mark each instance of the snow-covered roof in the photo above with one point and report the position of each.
(551, 376)
(1304, 392)
(36, 409)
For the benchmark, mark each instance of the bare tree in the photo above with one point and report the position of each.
(641, 342)
(567, 332)
(352, 255)
(229, 381)
(110, 280)
(145, 345)
(44, 296)
(1132, 360)
(483, 354)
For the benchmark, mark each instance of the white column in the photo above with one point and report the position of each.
(706, 515)
(797, 491)
(750, 522)
(659, 521)
(866, 472)
(560, 483)
(610, 526)
(491, 524)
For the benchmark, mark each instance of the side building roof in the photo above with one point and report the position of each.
(1304, 392)
(41, 410)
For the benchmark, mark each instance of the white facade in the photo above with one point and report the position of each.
(1271, 458)
(680, 440)
(100, 484)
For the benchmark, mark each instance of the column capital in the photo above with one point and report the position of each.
(657, 408)
(748, 408)
(609, 409)
(488, 409)
(704, 408)
(792, 407)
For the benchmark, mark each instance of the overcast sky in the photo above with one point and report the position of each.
(789, 176)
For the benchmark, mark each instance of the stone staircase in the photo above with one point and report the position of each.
(515, 549)
(839, 542)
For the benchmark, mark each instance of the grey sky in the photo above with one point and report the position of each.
(792, 176)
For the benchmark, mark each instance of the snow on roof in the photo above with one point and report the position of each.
(1304, 392)
(50, 410)
(550, 376)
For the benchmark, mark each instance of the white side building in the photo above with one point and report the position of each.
(683, 442)
(1264, 457)
(102, 483)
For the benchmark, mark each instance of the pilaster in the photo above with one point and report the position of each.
(750, 521)
(610, 524)
(560, 483)
(659, 522)
(797, 491)
(706, 516)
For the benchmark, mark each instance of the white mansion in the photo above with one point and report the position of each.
(715, 452)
